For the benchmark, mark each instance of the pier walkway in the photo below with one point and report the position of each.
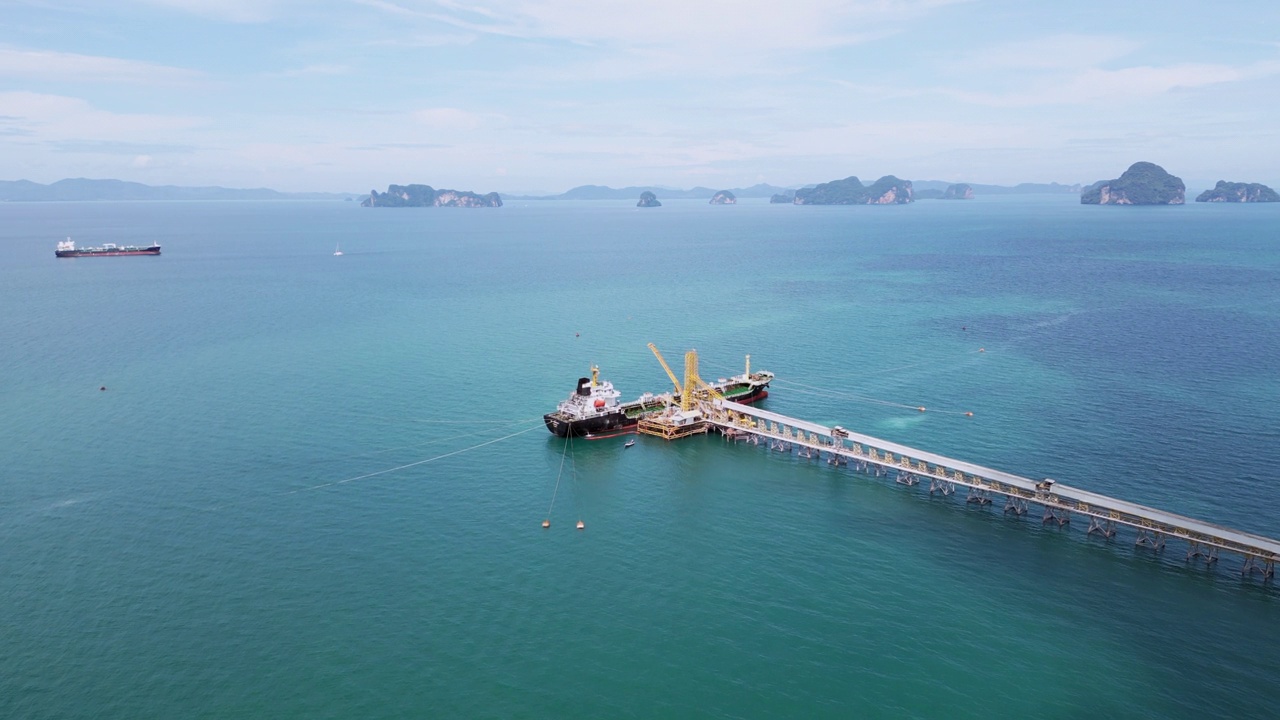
(910, 466)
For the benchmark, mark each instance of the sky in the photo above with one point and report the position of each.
(540, 96)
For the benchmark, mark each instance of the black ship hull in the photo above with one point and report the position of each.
(623, 422)
(593, 428)
(112, 252)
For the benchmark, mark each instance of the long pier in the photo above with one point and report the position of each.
(911, 466)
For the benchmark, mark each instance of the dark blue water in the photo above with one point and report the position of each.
(223, 532)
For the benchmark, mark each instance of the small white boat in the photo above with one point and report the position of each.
(337, 249)
(629, 444)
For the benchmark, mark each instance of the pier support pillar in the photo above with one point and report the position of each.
(938, 485)
(1254, 564)
(1015, 505)
(978, 496)
(1199, 550)
(906, 478)
(1150, 539)
(1105, 528)
(1057, 515)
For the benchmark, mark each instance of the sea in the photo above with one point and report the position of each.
(252, 479)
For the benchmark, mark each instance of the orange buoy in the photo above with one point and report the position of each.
(921, 408)
(969, 414)
(582, 525)
(546, 523)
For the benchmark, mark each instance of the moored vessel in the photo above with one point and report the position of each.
(592, 410)
(67, 248)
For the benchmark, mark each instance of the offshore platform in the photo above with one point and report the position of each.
(697, 407)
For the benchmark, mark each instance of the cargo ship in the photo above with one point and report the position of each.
(592, 410)
(67, 248)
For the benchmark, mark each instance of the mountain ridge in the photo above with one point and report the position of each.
(88, 189)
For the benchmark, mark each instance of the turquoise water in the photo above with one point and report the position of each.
(208, 537)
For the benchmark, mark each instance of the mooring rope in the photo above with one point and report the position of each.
(792, 385)
(568, 440)
(412, 464)
(823, 392)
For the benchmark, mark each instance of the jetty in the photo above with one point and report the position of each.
(701, 409)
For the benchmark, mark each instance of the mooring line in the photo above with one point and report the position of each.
(858, 398)
(433, 421)
(563, 453)
(412, 464)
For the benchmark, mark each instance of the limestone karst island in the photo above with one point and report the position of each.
(1238, 192)
(958, 191)
(888, 190)
(1143, 183)
(724, 197)
(427, 196)
(648, 199)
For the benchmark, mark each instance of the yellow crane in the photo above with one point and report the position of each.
(665, 366)
(693, 387)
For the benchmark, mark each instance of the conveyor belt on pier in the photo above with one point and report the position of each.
(1260, 553)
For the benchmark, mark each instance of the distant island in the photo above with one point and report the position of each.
(724, 197)
(980, 189)
(786, 195)
(1238, 192)
(648, 199)
(1143, 183)
(959, 191)
(603, 192)
(888, 190)
(427, 196)
(84, 189)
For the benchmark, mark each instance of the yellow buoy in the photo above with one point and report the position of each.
(582, 525)
(546, 523)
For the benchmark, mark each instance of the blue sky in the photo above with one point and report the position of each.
(521, 95)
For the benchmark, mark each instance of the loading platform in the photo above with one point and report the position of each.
(1059, 502)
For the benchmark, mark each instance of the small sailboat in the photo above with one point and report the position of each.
(629, 443)
(337, 249)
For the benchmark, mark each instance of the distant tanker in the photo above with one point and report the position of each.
(67, 248)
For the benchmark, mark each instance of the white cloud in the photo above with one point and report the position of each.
(1127, 84)
(311, 70)
(454, 119)
(1065, 51)
(71, 67)
(55, 118)
(729, 30)
(236, 11)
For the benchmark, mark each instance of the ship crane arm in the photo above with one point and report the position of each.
(661, 361)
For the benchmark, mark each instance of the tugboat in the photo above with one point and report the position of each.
(592, 410)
